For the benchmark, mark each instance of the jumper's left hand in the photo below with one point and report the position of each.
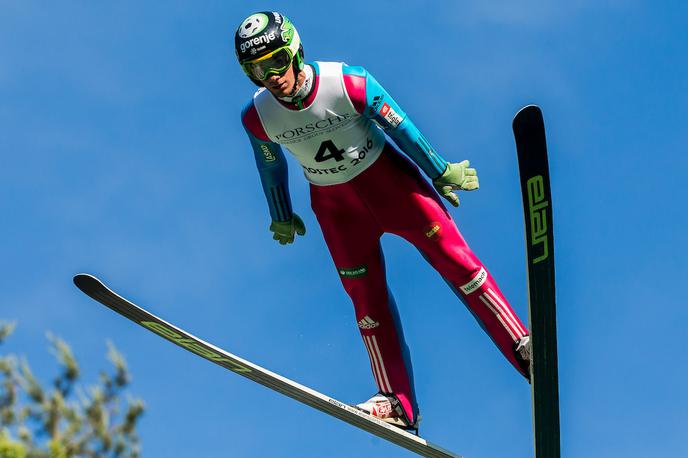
(458, 176)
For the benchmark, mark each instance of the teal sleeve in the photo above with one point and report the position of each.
(417, 147)
(382, 108)
(272, 168)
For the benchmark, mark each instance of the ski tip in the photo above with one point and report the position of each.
(529, 108)
(85, 282)
(529, 114)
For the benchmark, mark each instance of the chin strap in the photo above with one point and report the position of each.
(297, 96)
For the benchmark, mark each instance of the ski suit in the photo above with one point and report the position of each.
(361, 186)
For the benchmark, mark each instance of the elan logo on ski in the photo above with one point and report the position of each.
(538, 206)
(193, 345)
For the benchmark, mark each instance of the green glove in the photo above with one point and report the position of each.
(284, 230)
(458, 176)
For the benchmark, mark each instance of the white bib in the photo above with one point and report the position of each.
(331, 140)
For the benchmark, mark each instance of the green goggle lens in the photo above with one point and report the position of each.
(274, 64)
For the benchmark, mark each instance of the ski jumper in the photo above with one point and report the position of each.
(361, 187)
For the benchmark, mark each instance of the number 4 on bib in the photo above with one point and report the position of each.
(328, 146)
(529, 131)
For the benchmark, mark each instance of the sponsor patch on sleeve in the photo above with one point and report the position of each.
(267, 154)
(391, 116)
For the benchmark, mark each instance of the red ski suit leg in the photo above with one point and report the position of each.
(391, 196)
(353, 238)
(419, 216)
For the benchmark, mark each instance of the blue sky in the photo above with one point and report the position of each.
(123, 155)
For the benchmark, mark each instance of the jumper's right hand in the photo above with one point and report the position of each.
(284, 231)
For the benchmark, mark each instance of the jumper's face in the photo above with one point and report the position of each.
(281, 85)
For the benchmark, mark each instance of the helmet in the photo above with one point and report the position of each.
(267, 43)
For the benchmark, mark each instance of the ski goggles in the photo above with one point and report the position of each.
(274, 63)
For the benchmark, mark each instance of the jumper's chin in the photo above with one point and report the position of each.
(279, 88)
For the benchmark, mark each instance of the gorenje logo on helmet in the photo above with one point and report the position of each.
(263, 39)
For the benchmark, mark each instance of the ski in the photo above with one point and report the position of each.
(98, 291)
(529, 131)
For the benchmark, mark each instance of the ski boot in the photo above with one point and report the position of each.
(523, 352)
(387, 408)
